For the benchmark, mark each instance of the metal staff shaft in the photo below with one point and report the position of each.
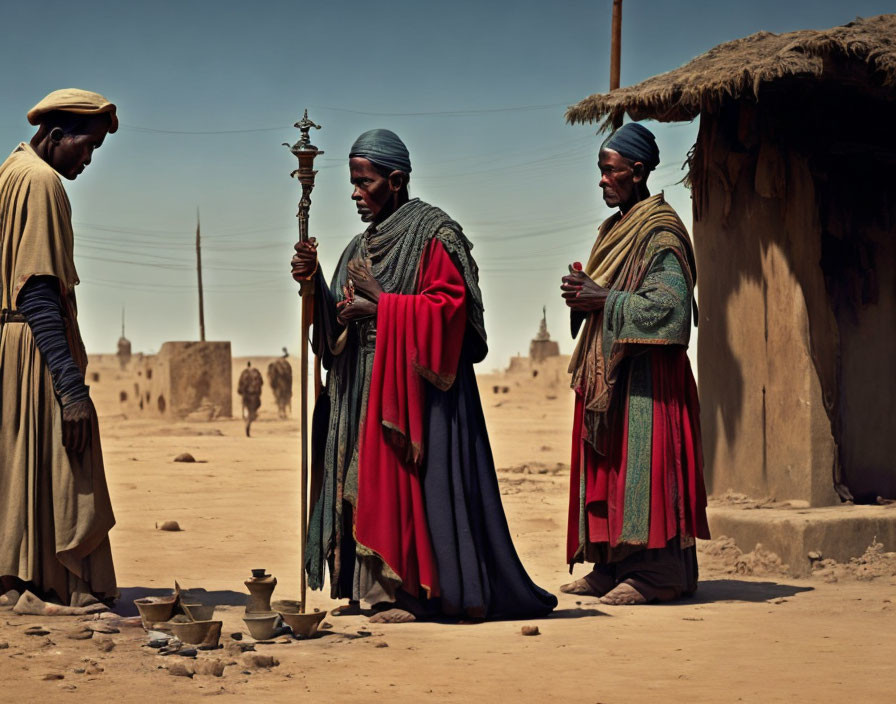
(305, 152)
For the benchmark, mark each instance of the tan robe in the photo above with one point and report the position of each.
(55, 513)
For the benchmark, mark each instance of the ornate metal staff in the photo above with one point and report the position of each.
(305, 152)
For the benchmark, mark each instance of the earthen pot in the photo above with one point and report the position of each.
(261, 625)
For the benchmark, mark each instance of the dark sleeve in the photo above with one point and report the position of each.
(327, 327)
(576, 318)
(39, 302)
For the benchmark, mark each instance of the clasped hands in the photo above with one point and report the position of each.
(360, 281)
(580, 291)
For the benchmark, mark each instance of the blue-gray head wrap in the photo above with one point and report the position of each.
(636, 143)
(384, 148)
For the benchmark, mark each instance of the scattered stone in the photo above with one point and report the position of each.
(364, 634)
(779, 600)
(36, 631)
(185, 457)
(94, 669)
(68, 687)
(213, 667)
(283, 641)
(53, 676)
(379, 644)
(814, 556)
(239, 648)
(172, 526)
(260, 661)
(530, 631)
(83, 633)
(179, 669)
(4, 645)
(157, 643)
(78, 670)
(102, 628)
(326, 624)
(236, 636)
(104, 645)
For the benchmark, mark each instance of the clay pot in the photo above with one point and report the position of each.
(304, 625)
(198, 612)
(198, 632)
(262, 625)
(155, 609)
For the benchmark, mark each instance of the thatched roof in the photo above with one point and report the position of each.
(738, 68)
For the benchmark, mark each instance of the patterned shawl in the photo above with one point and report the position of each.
(626, 247)
(396, 245)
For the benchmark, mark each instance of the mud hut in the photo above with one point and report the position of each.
(792, 177)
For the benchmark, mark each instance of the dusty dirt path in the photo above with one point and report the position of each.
(769, 639)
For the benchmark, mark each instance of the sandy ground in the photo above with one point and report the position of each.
(743, 638)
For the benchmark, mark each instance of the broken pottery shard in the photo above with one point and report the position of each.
(36, 631)
(172, 526)
(530, 631)
(185, 457)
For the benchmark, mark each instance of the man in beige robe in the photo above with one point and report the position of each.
(55, 512)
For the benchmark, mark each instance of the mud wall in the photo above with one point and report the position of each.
(797, 288)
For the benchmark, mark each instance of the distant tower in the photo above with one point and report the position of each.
(124, 345)
(542, 346)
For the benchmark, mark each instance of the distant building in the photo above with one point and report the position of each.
(543, 346)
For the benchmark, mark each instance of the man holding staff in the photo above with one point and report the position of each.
(406, 512)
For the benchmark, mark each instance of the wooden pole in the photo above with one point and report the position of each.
(199, 277)
(615, 51)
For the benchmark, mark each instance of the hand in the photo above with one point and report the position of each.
(354, 309)
(304, 262)
(78, 419)
(361, 275)
(581, 293)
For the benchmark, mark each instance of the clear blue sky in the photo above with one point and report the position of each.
(208, 90)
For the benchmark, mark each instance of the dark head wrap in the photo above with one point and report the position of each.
(636, 143)
(382, 147)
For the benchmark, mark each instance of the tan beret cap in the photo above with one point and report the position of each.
(81, 102)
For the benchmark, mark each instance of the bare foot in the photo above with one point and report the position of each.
(10, 598)
(633, 592)
(393, 616)
(32, 606)
(352, 608)
(592, 584)
(623, 594)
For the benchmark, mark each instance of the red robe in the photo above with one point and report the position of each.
(419, 339)
(677, 493)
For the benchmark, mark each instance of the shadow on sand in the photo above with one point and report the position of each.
(720, 590)
(125, 604)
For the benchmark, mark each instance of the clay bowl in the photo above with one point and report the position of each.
(196, 632)
(155, 609)
(262, 625)
(304, 625)
(199, 612)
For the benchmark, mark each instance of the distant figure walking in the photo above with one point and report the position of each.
(280, 379)
(249, 389)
